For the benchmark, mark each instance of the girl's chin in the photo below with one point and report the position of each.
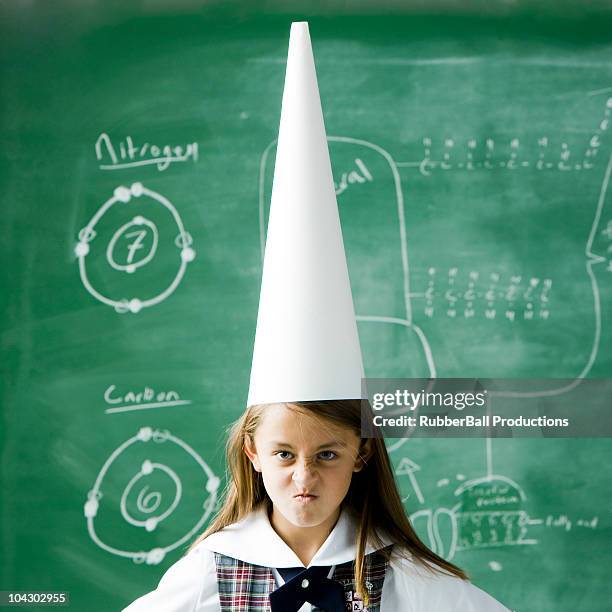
(306, 516)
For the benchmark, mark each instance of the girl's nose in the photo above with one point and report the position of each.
(303, 474)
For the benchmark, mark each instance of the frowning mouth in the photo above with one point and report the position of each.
(305, 497)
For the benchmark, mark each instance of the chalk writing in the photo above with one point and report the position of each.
(354, 177)
(510, 154)
(140, 400)
(456, 293)
(126, 154)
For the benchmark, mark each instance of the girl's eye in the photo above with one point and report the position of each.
(284, 455)
(327, 455)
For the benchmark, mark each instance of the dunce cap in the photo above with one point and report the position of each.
(306, 343)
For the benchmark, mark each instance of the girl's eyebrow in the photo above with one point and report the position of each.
(326, 445)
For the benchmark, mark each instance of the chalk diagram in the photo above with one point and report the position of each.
(143, 503)
(487, 511)
(133, 245)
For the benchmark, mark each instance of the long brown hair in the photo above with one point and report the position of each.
(373, 496)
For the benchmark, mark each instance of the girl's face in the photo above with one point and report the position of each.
(306, 464)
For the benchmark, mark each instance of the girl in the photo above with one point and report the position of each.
(312, 520)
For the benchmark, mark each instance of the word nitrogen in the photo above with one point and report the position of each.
(129, 155)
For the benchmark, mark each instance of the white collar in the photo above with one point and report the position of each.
(254, 541)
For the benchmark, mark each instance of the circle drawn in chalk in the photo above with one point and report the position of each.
(134, 234)
(144, 502)
(139, 226)
(149, 502)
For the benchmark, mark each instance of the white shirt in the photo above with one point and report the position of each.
(190, 585)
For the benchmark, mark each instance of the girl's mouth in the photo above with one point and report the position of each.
(305, 498)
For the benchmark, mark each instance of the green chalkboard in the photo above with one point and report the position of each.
(472, 158)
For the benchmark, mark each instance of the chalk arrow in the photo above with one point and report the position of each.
(407, 467)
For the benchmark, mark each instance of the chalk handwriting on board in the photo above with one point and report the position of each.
(407, 467)
(152, 494)
(359, 175)
(509, 300)
(489, 512)
(489, 154)
(129, 155)
(123, 249)
(467, 294)
(140, 400)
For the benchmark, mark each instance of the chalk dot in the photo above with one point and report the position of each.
(460, 477)
(139, 557)
(135, 305)
(188, 254)
(244, 115)
(213, 484)
(609, 103)
(123, 194)
(91, 508)
(136, 189)
(81, 249)
(144, 434)
(147, 467)
(155, 556)
(495, 566)
(87, 234)
(122, 306)
(130, 268)
(151, 524)
(138, 220)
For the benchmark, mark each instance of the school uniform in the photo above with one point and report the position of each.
(247, 567)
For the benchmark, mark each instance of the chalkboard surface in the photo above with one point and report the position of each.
(472, 159)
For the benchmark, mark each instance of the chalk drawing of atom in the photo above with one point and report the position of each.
(126, 248)
(139, 495)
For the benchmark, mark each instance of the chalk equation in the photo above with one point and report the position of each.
(510, 154)
(132, 246)
(143, 474)
(454, 293)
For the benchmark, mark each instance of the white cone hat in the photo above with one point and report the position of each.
(306, 344)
